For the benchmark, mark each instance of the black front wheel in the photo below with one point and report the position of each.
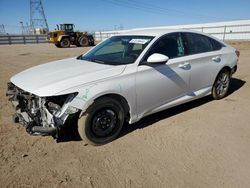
(65, 43)
(102, 122)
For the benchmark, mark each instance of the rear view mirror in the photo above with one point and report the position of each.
(157, 58)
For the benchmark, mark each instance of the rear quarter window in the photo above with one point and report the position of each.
(216, 45)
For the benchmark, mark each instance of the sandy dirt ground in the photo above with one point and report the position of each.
(204, 143)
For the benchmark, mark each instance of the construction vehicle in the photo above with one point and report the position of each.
(65, 36)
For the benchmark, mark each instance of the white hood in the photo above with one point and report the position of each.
(55, 77)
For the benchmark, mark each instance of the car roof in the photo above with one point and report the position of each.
(155, 32)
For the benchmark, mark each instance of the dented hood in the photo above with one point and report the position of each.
(55, 77)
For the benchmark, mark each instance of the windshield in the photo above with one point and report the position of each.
(67, 27)
(118, 50)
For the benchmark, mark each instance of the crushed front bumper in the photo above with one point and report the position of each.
(40, 115)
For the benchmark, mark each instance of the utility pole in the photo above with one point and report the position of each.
(121, 27)
(22, 28)
(37, 16)
(27, 28)
(2, 29)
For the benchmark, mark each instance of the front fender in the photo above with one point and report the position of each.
(89, 93)
(61, 36)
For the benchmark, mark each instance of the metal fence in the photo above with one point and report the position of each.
(231, 32)
(226, 32)
(22, 39)
(102, 35)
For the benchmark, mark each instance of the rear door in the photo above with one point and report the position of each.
(204, 56)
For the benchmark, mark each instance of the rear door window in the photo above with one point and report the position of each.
(198, 43)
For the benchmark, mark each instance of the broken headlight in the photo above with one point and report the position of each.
(60, 104)
(71, 110)
(53, 107)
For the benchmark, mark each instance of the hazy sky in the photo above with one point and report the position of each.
(109, 14)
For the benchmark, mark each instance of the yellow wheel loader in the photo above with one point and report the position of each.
(65, 36)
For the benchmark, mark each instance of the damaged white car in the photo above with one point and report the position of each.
(124, 78)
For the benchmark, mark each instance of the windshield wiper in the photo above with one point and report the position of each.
(98, 61)
(92, 60)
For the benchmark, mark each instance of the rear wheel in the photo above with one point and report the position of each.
(221, 85)
(65, 43)
(83, 41)
(102, 122)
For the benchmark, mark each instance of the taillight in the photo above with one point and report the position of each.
(237, 53)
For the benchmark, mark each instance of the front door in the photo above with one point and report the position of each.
(159, 84)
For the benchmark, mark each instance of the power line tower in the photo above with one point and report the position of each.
(37, 16)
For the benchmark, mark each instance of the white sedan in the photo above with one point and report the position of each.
(124, 78)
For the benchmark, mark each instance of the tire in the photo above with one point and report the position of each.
(65, 43)
(83, 41)
(102, 122)
(221, 85)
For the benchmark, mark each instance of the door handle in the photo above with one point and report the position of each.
(216, 59)
(183, 65)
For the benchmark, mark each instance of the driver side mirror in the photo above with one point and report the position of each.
(157, 58)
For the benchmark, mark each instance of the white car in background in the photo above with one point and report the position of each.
(124, 78)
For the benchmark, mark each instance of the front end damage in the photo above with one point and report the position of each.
(41, 115)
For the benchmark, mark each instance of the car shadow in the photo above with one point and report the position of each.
(235, 85)
(70, 133)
